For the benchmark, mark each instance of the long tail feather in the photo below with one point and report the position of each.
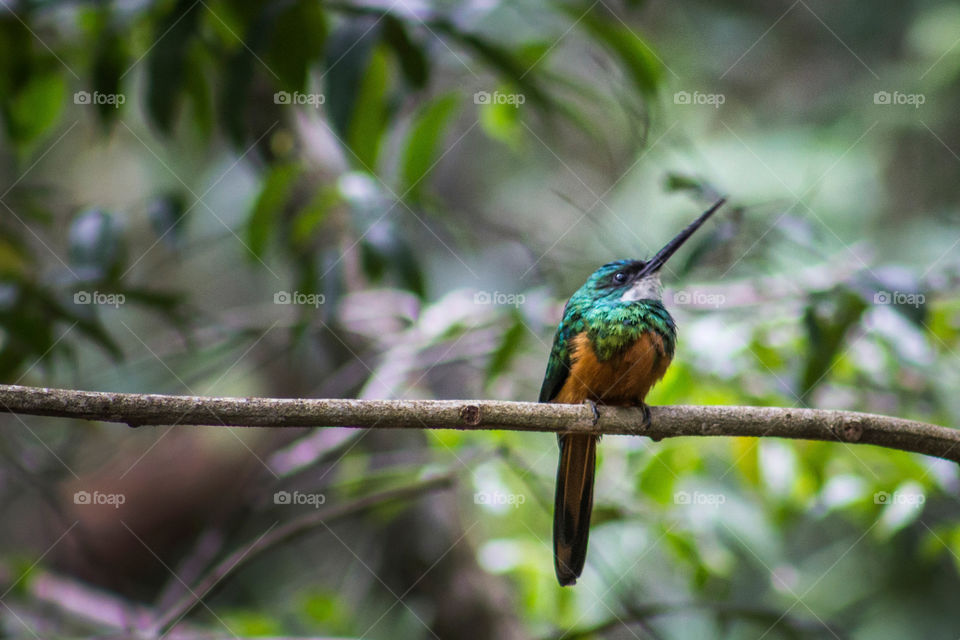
(572, 505)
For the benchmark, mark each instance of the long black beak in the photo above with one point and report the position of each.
(664, 254)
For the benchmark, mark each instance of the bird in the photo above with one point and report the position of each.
(614, 342)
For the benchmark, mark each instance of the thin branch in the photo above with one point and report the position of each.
(667, 421)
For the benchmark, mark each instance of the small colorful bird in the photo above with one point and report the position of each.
(615, 341)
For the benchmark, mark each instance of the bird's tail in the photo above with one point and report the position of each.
(573, 504)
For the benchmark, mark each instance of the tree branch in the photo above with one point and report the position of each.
(667, 421)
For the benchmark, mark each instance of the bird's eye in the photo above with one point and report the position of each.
(620, 277)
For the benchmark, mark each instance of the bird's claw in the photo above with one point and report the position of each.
(593, 408)
(645, 408)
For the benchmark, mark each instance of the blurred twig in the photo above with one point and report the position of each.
(667, 421)
(285, 532)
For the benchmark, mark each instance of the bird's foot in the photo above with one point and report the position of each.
(645, 408)
(593, 408)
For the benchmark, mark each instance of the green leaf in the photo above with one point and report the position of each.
(507, 350)
(348, 54)
(508, 65)
(410, 54)
(502, 122)
(298, 39)
(36, 107)
(827, 320)
(234, 99)
(643, 66)
(384, 252)
(166, 62)
(680, 182)
(308, 219)
(423, 142)
(199, 91)
(251, 623)
(276, 191)
(110, 62)
(370, 113)
(328, 611)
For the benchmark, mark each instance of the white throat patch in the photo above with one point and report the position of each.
(646, 288)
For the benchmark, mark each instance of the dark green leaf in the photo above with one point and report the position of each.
(507, 350)
(827, 319)
(298, 39)
(642, 64)
(166, 62)
(385, 254)
(274, 195)
(347, 58)
(110, 62)
(200, 92)
(423, 142)
(506, 63)
(234, 100)
(410, 54)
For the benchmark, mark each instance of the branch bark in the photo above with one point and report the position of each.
(667, 421)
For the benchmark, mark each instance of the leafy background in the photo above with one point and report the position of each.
(433, 236)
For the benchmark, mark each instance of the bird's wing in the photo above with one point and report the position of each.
(558, 367)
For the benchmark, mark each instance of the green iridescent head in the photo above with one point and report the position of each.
(622, 281)
(626, 281)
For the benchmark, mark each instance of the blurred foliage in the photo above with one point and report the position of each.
(301, 198)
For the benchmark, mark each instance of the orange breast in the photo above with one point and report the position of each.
(622, 380)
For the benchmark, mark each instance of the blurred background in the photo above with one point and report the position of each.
(393, 200)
